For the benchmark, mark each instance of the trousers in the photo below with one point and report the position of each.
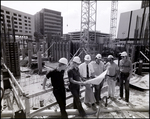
(60, 96)
(76, 100)
(89, 95)
(124, 77)
(97, 92)
(111, 86)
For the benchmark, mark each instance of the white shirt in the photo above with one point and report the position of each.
(112, 69)
(82, 69)
(98, 68)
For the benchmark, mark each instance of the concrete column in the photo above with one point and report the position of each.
(140, 67)
(44, 48)
(29, 53)
(39, 59)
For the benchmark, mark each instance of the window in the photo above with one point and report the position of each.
(15, 18)
(26, 31)
(15, 22)
(29, 18)
(2, 11)
(15, 14)
(25, 17)
(20, 30)
(26, 28)
(8, 21)
(20, 23)
(16, 26)
(25, 24)
(29, 31)
(20, 20)
(20, 27)
(29, 25)
(8, 17)
(19, 15)
(7, 12)
(8, 25)
(16, 30)
(29, 21)
(25, 20)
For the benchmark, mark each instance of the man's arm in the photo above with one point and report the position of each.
(130, 72)
(75, 82)
(44, 83)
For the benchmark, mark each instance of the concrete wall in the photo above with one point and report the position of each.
(135, 23)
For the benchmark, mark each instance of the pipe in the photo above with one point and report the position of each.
(90, 111)
(13, 78)
(9, 113)
(58, 113)
(136, 108)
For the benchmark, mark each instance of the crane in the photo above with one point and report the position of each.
(88, 24)
(113, 19)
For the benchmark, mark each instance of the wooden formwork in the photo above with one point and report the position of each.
(60, 49)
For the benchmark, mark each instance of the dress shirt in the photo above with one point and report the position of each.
(83, 71)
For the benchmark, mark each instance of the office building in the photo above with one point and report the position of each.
(49, 22)
(23, 22)
(145, 3)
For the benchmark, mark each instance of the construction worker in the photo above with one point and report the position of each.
(111, 76)
(74, 86)
(125, 66)
(86, 71)
(57, 81)
(98, 67)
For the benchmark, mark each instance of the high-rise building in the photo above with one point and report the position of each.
(145, 3)
(23, 22)
(49, 22)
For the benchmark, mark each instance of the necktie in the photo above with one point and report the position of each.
(87, 71)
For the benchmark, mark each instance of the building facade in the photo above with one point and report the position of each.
(23, 22)
(145, 3)
(48, 22)
(134, 25)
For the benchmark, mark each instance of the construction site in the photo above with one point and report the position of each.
(26, 61)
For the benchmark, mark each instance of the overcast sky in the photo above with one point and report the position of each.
(71, 11)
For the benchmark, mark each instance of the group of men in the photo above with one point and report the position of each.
(79, 73)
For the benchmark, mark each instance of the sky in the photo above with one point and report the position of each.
(71, 12)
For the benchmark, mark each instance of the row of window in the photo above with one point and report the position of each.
(7, 12)
(8, 17)
(17, 30)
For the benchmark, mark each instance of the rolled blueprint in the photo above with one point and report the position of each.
(97, 80)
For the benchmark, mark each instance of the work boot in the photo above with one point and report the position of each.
(94, 107)
(120, 98)
(87, 104)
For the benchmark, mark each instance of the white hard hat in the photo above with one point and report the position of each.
(98, 56)
(110, 56)
(63, 61)
(76, 59)
(124, 53)
(87, 58)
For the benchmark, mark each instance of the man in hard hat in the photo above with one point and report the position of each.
(74, 86)
(99, 68)
(86, 71)
(111, 76)
(57, 81)
(125, 66)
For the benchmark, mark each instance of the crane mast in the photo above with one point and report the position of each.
(88, 24)
(113, 19)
